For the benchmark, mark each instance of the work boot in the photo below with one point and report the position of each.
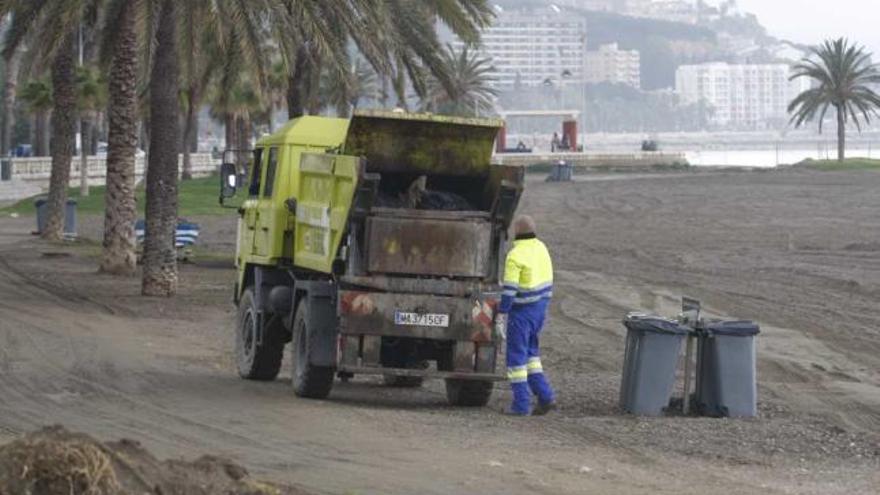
(511, 412)
(542, 409)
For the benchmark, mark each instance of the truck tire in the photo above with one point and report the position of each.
(314, 382)
(468, 393)
(256, 362)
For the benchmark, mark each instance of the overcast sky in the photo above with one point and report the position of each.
(810, 21)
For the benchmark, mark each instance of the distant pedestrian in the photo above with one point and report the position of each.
(554, 143)
(528, 287)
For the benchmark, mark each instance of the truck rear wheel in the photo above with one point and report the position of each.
(468, 393)
(256, 361)
(314, 382)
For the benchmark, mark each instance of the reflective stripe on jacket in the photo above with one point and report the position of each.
(528, 274)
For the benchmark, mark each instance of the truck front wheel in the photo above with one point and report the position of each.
(256, 361)
(309, 380)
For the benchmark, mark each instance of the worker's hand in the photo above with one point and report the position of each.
(501, 326)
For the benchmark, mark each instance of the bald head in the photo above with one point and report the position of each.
(524, 225)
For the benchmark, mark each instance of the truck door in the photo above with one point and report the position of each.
(265, 210)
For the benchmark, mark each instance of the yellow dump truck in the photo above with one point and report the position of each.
(374, 245)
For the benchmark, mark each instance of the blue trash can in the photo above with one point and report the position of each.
(726, 370)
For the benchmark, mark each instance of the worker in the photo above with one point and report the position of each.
(528, 287)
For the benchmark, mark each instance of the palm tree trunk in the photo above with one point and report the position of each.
(160, 256)
(386, 92)
(312, 85)
(841, 134)
(229, 126)
(189, 128)
(97, 129)
(296, 94)
(245, 131)
(194, 132)
(85, 144)
(32, 130)
(41, 138)
(9, 89)
(63, 130)
(118, 249)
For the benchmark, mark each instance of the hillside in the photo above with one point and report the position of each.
(663, 45)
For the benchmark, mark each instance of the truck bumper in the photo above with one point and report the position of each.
(365, 317)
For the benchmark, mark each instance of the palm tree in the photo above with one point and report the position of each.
(91, 100)
(276, 88)
(56, 24)
(200, 61)
(118, 247)
(237, 107)
(344, 90)
(468, 92)
(37, 96)
(397, 37)
(843, 74)
(204, 28)
(63, 131)
(12, 62)
(160, 257)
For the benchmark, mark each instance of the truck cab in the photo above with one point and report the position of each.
(374, 245)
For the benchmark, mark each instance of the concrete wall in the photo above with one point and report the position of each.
(36, 171)
(592, 159)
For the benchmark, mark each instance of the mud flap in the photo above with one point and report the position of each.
(322, 324)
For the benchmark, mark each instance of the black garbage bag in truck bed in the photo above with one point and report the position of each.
(418, 197)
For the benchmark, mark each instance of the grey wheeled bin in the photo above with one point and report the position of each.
(653, 345)
(726, 385)
(69, 216)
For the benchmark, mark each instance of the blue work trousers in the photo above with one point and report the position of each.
(524, 370)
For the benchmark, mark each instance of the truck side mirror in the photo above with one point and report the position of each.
(228, 181)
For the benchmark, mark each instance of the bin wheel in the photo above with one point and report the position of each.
(314, 382)
(256, 361)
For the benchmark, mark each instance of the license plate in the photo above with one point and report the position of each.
(421, 319)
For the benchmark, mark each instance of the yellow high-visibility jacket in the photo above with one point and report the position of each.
(528, 274)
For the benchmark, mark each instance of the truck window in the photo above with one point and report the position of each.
(256, 172)
(270, 172)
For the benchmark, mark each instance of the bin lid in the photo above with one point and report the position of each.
(738, 328)
(655, 324)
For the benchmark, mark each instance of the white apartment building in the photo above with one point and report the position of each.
(529, 48)
(617, 6)
(668, 10)
(742, 96)
(599, 5)
(613, 65)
